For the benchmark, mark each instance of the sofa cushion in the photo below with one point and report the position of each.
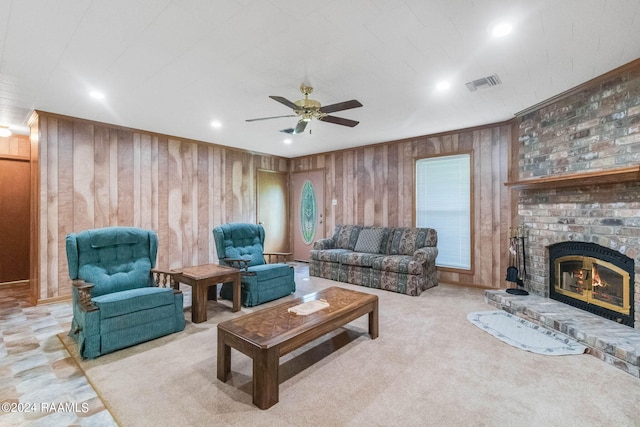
(132, 300)
(397, 264)
(369, 240)
(406, 241)
(346, 236)
(363, 259)
(330, 255)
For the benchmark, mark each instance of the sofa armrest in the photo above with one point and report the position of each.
(425, 255)
(84, 295)
(322, 244)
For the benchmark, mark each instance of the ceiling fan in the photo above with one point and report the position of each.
(308, 109)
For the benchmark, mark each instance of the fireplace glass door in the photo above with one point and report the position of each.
(593, 281)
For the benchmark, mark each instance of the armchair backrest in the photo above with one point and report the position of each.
(113, 259)
(240, 241)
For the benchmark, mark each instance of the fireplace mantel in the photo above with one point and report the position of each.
(609, 176)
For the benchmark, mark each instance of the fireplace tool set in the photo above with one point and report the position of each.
(517, 270)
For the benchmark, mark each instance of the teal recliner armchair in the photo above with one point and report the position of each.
(241, 246)
(119, 298)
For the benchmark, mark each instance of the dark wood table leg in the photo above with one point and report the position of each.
(224, 357)
(199, 303)
(265, 377)
(236, 292)
(373, 321)
(212, 292)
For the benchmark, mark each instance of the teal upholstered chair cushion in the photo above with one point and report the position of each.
(113, 258)
(138, 299)
(240, 241)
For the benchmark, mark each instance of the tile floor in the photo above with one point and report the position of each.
(40, 384)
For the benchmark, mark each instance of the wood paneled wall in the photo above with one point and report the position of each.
(97, 175)
(374, 185)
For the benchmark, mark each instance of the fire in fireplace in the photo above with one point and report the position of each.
(594, 278)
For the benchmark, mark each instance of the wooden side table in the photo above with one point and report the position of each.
(200, 278)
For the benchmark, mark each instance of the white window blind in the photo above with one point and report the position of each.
(443, 202)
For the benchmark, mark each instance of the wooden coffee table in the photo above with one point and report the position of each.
(268, 334)
(200, 278)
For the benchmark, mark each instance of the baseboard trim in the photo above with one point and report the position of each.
(15, 284)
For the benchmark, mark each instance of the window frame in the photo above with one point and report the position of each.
(471, 269)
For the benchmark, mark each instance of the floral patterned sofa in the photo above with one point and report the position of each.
(396, 259)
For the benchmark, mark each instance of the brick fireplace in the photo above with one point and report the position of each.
(590, 131)
(606, 215)
(575, 176)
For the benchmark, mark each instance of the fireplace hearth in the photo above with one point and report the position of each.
(593, 278)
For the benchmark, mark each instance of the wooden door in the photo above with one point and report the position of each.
(273, 209)
(307, 211)
(14, 220)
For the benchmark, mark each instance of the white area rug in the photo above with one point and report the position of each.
(523, 334)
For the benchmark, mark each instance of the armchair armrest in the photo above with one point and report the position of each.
(164, 279)
(426, 254)
(327, 243)
(240, 264)
(280, 256)
(84, 295)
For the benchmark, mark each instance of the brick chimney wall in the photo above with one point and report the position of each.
(595, 128)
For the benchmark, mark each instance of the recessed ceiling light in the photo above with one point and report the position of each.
(5, 132)
(287, 141)
(443, 85)
(216, 124)
(96, 94)
(501, 29)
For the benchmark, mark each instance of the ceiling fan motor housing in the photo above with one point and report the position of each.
(309, 108)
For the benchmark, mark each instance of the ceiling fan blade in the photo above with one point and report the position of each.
(302, 124)
(269, 118)
(346, 105)
(284, 101)
(339, 121)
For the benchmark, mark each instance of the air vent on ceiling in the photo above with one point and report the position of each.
(484, 82)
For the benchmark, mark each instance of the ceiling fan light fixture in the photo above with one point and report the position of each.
(5, 132)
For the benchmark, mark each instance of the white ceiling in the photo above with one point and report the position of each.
(174, 66)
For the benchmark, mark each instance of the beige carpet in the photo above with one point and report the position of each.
(430, 366)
